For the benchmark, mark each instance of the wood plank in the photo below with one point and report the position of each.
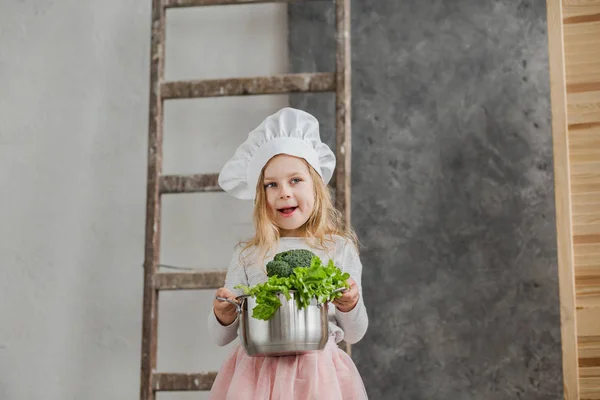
(583, 113)
(189, 280)
(582, 61)
(580, 53)
(576, 10)
(583, 108)
(579, 87)
(577, 127)
(588, 284)
(153, 204)
(591, 151)
(201, 3)
(590, 388)
(584, 158)
(585, 177)
(582, 79)
(278, 84)
(343, 118)
(343, 109)
(584, 141)
(587, 273)
(589, 348)
(562, 189)
(586, 260)
(582, 19)
(586, 239)
(584, 137)
(585, 199)
(197, 183)
(587, 209)
(592, 371)
(587, 220)
(585, 169)
(587, 276)
(590, 100)
(171, 382)
(189, 183)
(580, 57)
(581, 32)
(587, 249)
(591, 125)
(584, 101)
(586, 229)
(581, 3)
(588, 322)
(587, 300)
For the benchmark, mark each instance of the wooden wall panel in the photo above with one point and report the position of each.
(581, 27)
(564, 234)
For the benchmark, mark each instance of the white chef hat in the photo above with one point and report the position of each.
(288, 131)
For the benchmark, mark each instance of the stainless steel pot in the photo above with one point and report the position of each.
(289, 331)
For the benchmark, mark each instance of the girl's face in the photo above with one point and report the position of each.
(289, 193)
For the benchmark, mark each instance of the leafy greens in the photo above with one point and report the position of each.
(317, 281)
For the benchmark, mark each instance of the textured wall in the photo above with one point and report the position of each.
(73, 137)
(452, 193)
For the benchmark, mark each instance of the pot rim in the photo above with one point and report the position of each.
(243, 296)
(292, 291)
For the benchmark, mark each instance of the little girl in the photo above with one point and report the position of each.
(285, 168)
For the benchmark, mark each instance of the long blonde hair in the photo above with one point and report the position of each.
(324, 222)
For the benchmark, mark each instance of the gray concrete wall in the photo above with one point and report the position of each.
(73, 136)
(452, 193)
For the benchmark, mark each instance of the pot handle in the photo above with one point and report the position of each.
(237, 306)
(342, 289)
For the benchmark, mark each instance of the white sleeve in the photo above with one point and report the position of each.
(236, 274)
(355, 322)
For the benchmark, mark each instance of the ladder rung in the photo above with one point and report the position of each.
(190, 183)
(189, 280)
(278, 84)
(195, 3)
(170, 382)
(198, 183)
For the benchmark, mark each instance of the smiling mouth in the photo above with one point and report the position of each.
(286, 212)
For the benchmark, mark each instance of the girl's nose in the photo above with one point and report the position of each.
(285, 193)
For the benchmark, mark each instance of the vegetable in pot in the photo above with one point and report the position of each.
(283, 263)
(316, 281)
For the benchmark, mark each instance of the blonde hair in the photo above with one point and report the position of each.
(324, 222)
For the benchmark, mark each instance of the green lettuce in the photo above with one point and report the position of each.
(317, 281)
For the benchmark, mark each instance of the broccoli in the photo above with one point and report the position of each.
(284, 263)
(296, 258)
(279, 268)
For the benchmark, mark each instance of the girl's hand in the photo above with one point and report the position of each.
(349, 298)
(225, 312)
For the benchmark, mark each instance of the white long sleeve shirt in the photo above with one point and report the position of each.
(350, 326)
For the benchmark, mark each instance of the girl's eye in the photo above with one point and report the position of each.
(296, 180)
(271, 184)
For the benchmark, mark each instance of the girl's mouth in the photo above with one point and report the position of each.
(287, 212)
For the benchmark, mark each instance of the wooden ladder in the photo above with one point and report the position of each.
(159, 184)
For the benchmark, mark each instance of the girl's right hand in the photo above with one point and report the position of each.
(225, 312)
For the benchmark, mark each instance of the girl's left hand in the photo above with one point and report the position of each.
(349, 298)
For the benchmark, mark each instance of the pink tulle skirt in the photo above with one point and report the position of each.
(328, 375)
